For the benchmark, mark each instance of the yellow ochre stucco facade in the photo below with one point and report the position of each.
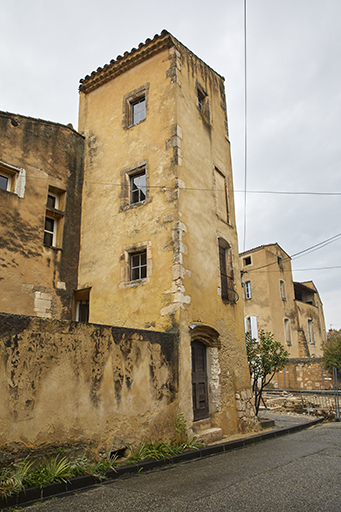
(184, 224)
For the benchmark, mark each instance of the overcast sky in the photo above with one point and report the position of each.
(293, 99)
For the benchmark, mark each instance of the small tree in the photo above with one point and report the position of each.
(266, 357)
(332, 351)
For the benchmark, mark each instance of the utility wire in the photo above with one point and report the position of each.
(298, 269)
(165, 187)
(300, 253)
(245, 125)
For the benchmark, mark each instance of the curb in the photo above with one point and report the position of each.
(84, 482)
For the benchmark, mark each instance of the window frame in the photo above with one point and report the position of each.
(287, 331)
(129, 100)
(227, 286)
(311, 333)
(248, 292)
(56, 214)
(127, 174)
(203, 102)
(126, 270)
(81, 297)
(244, 261)
(52, 232)
(140, 266)
(282, 289)
(139, 189)
(8, 177)
(136, 117)
(218, 194)
(251, 326)
(16, 179)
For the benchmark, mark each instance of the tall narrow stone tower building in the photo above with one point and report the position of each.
(159, 243)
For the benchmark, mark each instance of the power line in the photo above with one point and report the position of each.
(300, 253)
(297, 270)
(316, 268)
(166, 187)
(319, 245)
(287, 192)
(245, 126)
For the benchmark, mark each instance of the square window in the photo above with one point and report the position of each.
(138, 187)
(135, 106)
(134, 185)
(138, 265)
(12, 179)
(247, 261)
(138, 111)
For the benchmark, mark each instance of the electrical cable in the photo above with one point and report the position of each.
(245, 126)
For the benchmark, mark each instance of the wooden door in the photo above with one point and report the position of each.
(199, 380)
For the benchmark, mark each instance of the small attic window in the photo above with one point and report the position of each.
(247, 261)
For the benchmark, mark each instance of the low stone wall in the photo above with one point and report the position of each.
(303, 373)
(64, 382)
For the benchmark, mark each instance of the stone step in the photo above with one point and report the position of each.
(201, 425)
(210, 435)
(266, 423)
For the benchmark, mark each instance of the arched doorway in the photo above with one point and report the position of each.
(204, 339)
(199, 380)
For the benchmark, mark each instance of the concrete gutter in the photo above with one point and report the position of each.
(85, 482)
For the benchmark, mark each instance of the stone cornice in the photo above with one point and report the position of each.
(130, 59)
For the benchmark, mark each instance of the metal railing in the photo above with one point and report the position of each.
(323, 400)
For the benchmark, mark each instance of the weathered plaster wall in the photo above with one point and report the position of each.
(35, 279)
(205, 147)
(110, 149)
(179, 221)
(65, 382)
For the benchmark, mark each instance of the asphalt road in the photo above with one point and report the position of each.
(298, 472)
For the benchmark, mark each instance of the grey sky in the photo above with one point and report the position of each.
(294, 98)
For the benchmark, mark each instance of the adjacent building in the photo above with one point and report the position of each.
(41, 181)
(273, 302)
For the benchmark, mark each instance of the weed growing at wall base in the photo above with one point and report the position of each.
(22, 475)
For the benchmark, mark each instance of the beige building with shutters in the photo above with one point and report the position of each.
(273, 302)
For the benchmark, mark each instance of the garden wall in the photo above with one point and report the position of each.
(64, 382)
(303, 374)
